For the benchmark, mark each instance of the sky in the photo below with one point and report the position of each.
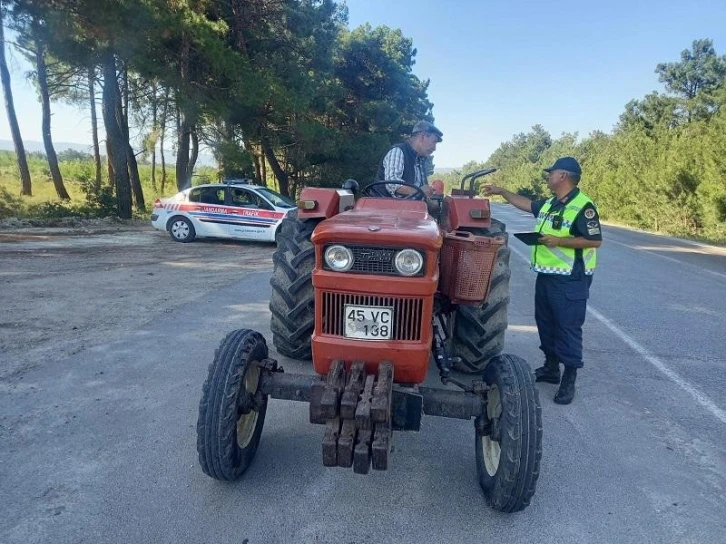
(498, 68)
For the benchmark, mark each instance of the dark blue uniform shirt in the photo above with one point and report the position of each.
(586, 224)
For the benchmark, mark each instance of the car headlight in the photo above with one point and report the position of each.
(339, 258)
(408, 262)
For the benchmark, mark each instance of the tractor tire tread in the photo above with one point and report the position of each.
(217, 423)
(292, 303)
(511, 490)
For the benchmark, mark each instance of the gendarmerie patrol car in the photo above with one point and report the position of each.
(231, 209)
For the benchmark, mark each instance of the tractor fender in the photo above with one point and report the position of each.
(322, 203)
(466, 213)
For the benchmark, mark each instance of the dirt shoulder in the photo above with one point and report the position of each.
(67, 287)
(16, 229)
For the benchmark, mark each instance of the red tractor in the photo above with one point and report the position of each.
(372, 289)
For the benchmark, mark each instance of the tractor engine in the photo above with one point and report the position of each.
(376, 275)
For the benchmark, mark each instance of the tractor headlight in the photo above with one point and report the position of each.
(339, 258)
(408, 262)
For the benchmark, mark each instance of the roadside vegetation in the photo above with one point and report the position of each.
(84, 200)
(661, 169)
(280, 91)
(284, 93)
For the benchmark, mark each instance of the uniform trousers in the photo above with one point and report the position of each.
(560, 305)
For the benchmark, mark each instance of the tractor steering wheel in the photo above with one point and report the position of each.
(380, 187)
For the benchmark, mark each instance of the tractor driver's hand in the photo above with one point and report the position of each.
(492, 190)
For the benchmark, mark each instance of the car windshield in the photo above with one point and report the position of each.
(276, 198)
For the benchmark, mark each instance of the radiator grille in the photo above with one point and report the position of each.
(374, 260)
(406, 313)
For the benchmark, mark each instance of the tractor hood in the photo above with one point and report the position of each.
(382, 222)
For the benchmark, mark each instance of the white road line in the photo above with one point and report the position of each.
(699, 397)
(689, 265)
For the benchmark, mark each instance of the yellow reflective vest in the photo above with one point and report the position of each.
(561, 260)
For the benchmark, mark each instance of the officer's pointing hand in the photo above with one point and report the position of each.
(492, 190)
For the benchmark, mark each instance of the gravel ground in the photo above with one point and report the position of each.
(71, 284)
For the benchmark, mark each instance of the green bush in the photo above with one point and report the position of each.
(10, 206)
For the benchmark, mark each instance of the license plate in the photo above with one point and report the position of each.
(368, 322)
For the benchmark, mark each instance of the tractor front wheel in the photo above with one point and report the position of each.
(230, 423)
(509, 445)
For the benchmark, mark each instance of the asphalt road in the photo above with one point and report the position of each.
(640, 456)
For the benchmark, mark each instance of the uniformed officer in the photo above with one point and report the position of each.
(564, 259)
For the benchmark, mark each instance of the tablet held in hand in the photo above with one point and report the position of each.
(529, 238)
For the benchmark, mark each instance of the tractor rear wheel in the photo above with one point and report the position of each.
(228, 428)
(479, 330)
(292, 303)
(508, 453)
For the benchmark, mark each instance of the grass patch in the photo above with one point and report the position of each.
(78, 173)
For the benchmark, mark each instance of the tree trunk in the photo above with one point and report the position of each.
(136, 189)
(115, 137)
(182, 151)
(26, 186)
(154, 129)
(280, 174)
(161, 139)
(256, 160)
(94, 126)
(239, 26)
(184, 124)
(55, 172)
(131, 163)
(109, 164)
(194, 153)
(264, 167)
(258, 169)
(125, 97)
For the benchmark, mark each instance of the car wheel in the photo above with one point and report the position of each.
(181, 229)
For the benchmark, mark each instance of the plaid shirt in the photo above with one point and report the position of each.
(393, 164)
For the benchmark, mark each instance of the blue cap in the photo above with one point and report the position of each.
(566, 163)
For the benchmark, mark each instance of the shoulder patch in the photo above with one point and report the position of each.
(589, 213)
(593, 224)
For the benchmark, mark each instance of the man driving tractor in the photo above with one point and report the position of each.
(408, 162)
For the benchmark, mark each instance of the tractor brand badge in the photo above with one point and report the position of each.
(375, 255)
(589, 213)
(374, 228)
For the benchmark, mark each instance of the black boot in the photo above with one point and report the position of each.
(566, 392)
(550, 372)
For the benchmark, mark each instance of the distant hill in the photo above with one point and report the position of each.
(38, 147)
(205, 159)
(31, 146)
